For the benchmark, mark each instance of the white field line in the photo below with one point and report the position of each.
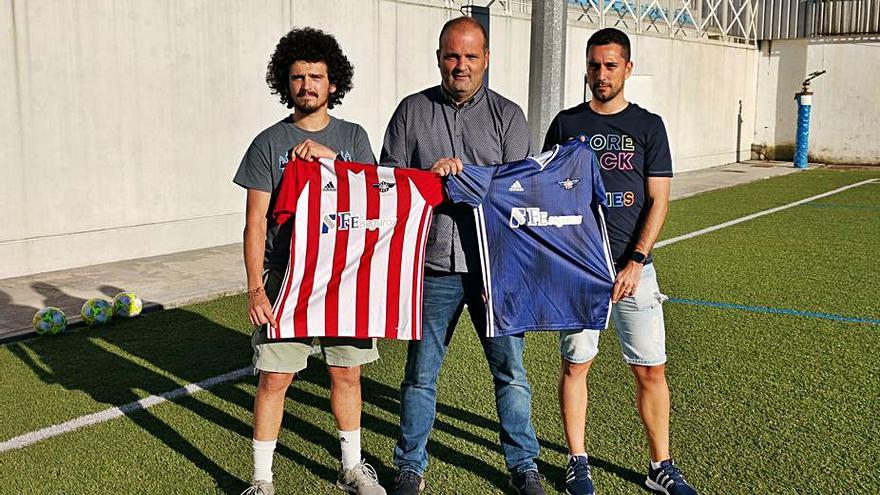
(145, 403)
(123, 410)
(746, 218)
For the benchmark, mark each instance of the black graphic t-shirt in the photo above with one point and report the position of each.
(630, 146)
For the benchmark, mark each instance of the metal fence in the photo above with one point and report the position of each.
(732, 21)
(724, 20)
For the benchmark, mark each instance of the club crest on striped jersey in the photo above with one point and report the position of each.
(347, 221)
(384, 186)
(568, 184)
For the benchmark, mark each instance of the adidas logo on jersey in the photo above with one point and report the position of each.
(516, 187)
(329, 187)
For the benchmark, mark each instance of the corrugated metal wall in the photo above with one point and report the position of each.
(784, 19)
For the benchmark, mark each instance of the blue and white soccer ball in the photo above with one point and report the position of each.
(50, 321)
(127, 305)
(96, 311)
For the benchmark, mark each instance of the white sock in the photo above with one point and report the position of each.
(263, 452)
(656, 465)
(572, 456)
(350, 443)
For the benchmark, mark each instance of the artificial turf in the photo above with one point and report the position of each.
(762, 403)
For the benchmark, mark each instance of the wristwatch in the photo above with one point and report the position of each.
(639, 257)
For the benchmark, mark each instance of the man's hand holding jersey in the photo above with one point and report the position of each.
(627, 281)
(259, 308)
(310, 150)
(447, 166)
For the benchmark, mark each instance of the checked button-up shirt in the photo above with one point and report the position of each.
(487, 129)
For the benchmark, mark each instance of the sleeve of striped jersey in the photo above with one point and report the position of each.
(289, 190)
(470, 186)
(428, 183)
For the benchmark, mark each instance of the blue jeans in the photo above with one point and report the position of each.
(444, 299)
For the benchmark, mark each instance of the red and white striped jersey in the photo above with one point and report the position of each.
(357, 249)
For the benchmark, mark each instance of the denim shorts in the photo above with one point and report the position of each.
(291, 355)
(639, 323)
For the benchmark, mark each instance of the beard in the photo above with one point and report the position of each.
(308, 106)
(607, 96)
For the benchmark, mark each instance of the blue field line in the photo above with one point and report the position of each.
(779, 311)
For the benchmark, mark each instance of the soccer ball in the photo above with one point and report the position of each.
(127, 305)
(50, 321)
(96, 311)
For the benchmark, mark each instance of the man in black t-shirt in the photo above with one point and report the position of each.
(632, 149)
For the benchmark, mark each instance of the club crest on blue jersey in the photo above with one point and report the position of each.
(568, 184)
(384, 186)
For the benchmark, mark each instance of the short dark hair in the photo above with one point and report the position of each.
(607, 36)
(309, 45)
(462, 22)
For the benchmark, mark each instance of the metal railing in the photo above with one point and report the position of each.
(732, 21)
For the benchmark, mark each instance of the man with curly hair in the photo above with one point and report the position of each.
(310, 74)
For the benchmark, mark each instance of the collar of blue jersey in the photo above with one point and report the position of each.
(544, 159)
(469, 102)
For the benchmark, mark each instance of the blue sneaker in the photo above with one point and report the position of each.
(527, 483)
(667, 479)
(578, 479)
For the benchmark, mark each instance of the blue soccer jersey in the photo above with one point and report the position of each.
(544, 250)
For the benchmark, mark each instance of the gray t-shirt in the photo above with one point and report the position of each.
(263, 166)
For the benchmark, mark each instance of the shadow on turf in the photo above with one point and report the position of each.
(184, 346)
(107, 364)
(385, 397)
(103, 362)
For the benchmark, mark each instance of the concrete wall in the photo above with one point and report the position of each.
(123, 121)
(845, 114)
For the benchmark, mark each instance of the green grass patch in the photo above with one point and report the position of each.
(714, 207)
(774, 403)
(807, 258)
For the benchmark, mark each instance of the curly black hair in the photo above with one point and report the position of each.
(309, 45)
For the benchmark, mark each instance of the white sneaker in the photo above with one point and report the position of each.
(260, 487)
(360, 480)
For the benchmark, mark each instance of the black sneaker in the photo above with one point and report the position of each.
(578, 479)
(408, 483)
(527, 483)
(667, 479)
